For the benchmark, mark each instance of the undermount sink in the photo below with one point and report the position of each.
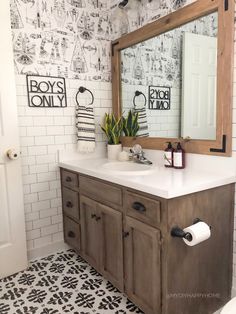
(127, 168)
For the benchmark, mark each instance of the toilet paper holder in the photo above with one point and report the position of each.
(180, 233)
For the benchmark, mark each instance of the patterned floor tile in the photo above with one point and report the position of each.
(61, 283)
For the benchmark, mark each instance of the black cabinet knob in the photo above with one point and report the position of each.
(68, 179)
(93, 216)
(71, 234)
(69, 204)
(98, 218)
(139, 207)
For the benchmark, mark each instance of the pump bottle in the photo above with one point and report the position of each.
(168, 156)
(179, 157)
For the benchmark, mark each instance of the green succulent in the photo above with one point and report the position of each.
(130, 124)
(112, 127)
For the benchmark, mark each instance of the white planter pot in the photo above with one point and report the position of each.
(113, 151)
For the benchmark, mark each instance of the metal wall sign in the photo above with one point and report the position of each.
(159, 98)
(46, 91)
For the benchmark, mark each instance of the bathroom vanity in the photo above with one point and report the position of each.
(125, 234)
(121, 224)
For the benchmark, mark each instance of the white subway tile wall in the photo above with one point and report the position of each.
(42, 133)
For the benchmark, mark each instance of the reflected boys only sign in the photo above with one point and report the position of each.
(46, 91)
(159, 98)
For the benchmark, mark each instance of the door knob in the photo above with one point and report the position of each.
(12, 154)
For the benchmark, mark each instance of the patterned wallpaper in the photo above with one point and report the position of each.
(158, 61)
(69, 38)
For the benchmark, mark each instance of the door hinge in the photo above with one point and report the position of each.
(161, 241)
(226, 5)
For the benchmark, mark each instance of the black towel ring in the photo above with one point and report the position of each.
(82, 90)
(136, 94)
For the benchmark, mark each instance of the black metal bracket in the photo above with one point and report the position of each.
(220, 150)
(226, 5)
(196, 220)
(179, 233)
(113, 47)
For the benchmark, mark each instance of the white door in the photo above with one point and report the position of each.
(13, 257)
(199, 87)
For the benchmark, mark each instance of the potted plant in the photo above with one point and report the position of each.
(113, 127)
(130, 124)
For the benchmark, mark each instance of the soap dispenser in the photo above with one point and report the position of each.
(168, 156)
(179, 157)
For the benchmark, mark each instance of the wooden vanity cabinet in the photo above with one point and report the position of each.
(125, 235)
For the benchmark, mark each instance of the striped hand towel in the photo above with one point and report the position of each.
(85, 128)
(142, 121)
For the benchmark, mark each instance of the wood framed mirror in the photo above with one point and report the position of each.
(184, 99)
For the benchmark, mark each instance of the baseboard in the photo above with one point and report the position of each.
(46, 250)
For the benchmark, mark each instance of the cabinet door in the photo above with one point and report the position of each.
(142, 265)
(111, 241)
(89, 231)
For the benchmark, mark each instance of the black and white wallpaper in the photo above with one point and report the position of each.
(69, 38)
(158, 61)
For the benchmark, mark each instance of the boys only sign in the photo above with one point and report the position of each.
(46, 91)
(159, 98)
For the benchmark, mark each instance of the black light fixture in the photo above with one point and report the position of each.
(123, 4)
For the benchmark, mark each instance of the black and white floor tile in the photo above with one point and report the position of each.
(61, 283)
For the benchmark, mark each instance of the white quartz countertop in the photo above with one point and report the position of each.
(163, 182)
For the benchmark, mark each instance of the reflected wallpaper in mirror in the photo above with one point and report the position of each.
(171, 81)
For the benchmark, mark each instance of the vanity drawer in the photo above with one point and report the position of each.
(69, 179)
(70, 203)
(101, 191)
(72, 233)
(143, 208)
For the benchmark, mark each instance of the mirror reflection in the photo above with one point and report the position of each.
(171, 81)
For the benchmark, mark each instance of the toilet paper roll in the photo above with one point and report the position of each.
(199, 232)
